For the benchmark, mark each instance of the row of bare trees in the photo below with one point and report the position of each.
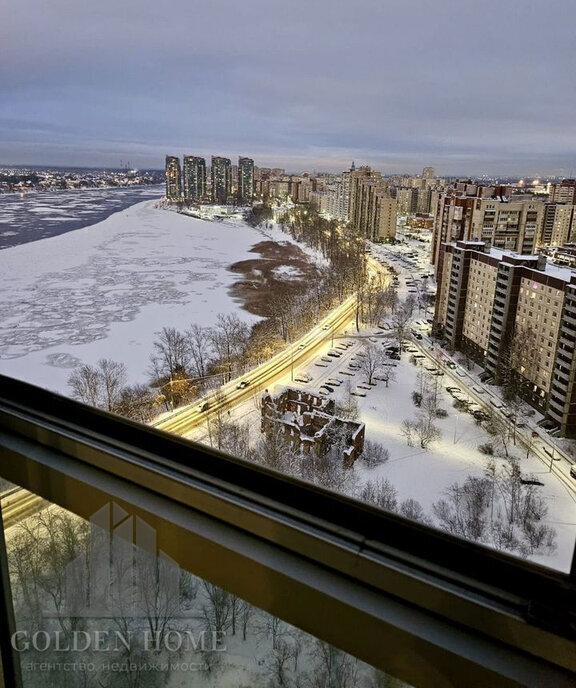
(500, 509)
(48, 542)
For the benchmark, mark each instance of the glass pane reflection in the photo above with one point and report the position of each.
(100, 604)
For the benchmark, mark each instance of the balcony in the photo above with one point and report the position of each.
(447, 612)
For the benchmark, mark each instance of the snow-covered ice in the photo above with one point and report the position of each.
(105, 290)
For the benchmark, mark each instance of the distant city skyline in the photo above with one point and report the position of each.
(469, 88)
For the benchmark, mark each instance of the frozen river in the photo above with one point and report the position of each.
(104, 291)
(39, 215)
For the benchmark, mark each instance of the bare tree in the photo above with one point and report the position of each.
(199, 346)
(380, 492)
(400, 320)
(278, 662)
(387, 374)
(499, 430)
(171, 354)
(137, 402)
(100, 385)
(520, 363)
(216, 607)
(229, 338)
(347, 407)
(412, 509)
(371, 361)
(85, 383)
(332, 667)
(407, 429)
(113, 376)
(426, 431)
(462, 512)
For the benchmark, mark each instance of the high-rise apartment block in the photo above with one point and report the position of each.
(564, 192)
(428, 173)
(515, 313)
(194, 178)
(221, 174)
(173, 178)
(558, 224)
(245, 180)
(504, 223)
(373, 212)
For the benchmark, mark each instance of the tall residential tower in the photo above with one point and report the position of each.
(245, 180)
(194, 178)
(221, 174)
(173, 178)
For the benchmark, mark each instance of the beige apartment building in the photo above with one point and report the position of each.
(505, 223)
(509, 310)
(558, 224)
(563, 192)
(373, 213)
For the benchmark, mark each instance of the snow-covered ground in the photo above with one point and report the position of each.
(421, 474)
(105, 290)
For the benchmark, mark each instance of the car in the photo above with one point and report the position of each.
(573, 471)
(243, 384)
(453, 389)
(327, 387)
(530, 480)
(334, 354)
(204, 407)
(480, 415)
(326, 327)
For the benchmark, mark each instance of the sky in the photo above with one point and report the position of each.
(467, 86)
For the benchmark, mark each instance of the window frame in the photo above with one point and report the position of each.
(451, 612)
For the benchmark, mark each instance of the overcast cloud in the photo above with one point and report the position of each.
(464, 85)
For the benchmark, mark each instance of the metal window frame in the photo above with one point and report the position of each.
(426, 607)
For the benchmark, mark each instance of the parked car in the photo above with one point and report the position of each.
(480, 415)
(530, 480)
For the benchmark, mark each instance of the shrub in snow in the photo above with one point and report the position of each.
(487, 449)
(417, 398)
(380, 493)
(374, 454)
(412, 509)
(441, 413)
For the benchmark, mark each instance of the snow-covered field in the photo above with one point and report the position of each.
(105, 290)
